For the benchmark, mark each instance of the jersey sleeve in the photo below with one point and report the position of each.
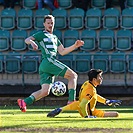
(101, 99)
(58, 42)
(37, 36)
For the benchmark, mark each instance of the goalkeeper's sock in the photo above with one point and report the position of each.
(29, 100)
(72, 94)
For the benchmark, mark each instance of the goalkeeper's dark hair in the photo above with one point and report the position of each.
(93, 73)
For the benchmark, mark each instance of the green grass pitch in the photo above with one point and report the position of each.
(35, 120)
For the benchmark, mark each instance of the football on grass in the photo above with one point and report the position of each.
(58, 88)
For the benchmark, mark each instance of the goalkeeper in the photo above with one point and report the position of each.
(88, 97)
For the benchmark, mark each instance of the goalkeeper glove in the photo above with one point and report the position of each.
(90, 116)
(113, 102)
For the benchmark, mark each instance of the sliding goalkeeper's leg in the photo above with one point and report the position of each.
(73, 106)
(54, 112)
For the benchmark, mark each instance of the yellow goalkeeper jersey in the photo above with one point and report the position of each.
(88, 91)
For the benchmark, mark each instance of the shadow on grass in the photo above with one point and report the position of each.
(47, 109)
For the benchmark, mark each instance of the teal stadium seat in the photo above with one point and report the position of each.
(111, 18)
(127, 18)
(100, 60)
(30, 62)
(117, 62)
(29, 4)
(1, 62)
(129, 3)
(24, 19)
(106, 39)
(58, 33)
(123, 39)
(60, 18)
(4, 40)
(89, 38)
(39, 18)
(7, 19)
(93, 18)
(76, 18)
(18, 40)
(130, 62)
(69, 37)
(67, 60)
(65, 4)
(98, 3)
(82, 62)
(12, 62)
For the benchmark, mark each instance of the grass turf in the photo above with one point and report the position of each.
(35, 120)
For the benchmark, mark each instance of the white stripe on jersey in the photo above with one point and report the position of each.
(55, 63)
(45, 39)
(49, 46)
(42, 44)
(53, 53)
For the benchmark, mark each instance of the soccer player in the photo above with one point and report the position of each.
(50, 66)
(88, 97)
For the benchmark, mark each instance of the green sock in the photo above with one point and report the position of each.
(72, 94)
(29, 100)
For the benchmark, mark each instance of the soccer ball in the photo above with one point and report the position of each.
(58, 88)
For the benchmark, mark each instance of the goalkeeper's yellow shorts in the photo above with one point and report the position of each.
(96, 112)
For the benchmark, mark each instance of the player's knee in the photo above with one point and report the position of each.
(75, 75)
(71, 75)
(45, 91)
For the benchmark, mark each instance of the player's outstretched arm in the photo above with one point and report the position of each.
(64, 51)
(30, 40)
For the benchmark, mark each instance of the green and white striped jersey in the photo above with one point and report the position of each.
(48, 43)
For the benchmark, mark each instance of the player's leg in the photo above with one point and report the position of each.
(74, 106)
(60, 69)
(111, 114)
(101, 113)
(72, 83)
(45, 81)
(44, 91)
(70, 107)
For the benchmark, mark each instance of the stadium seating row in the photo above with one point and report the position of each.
(105, 40)
(12, 62)
(31, 4)
(115, 62)
(76, 19)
